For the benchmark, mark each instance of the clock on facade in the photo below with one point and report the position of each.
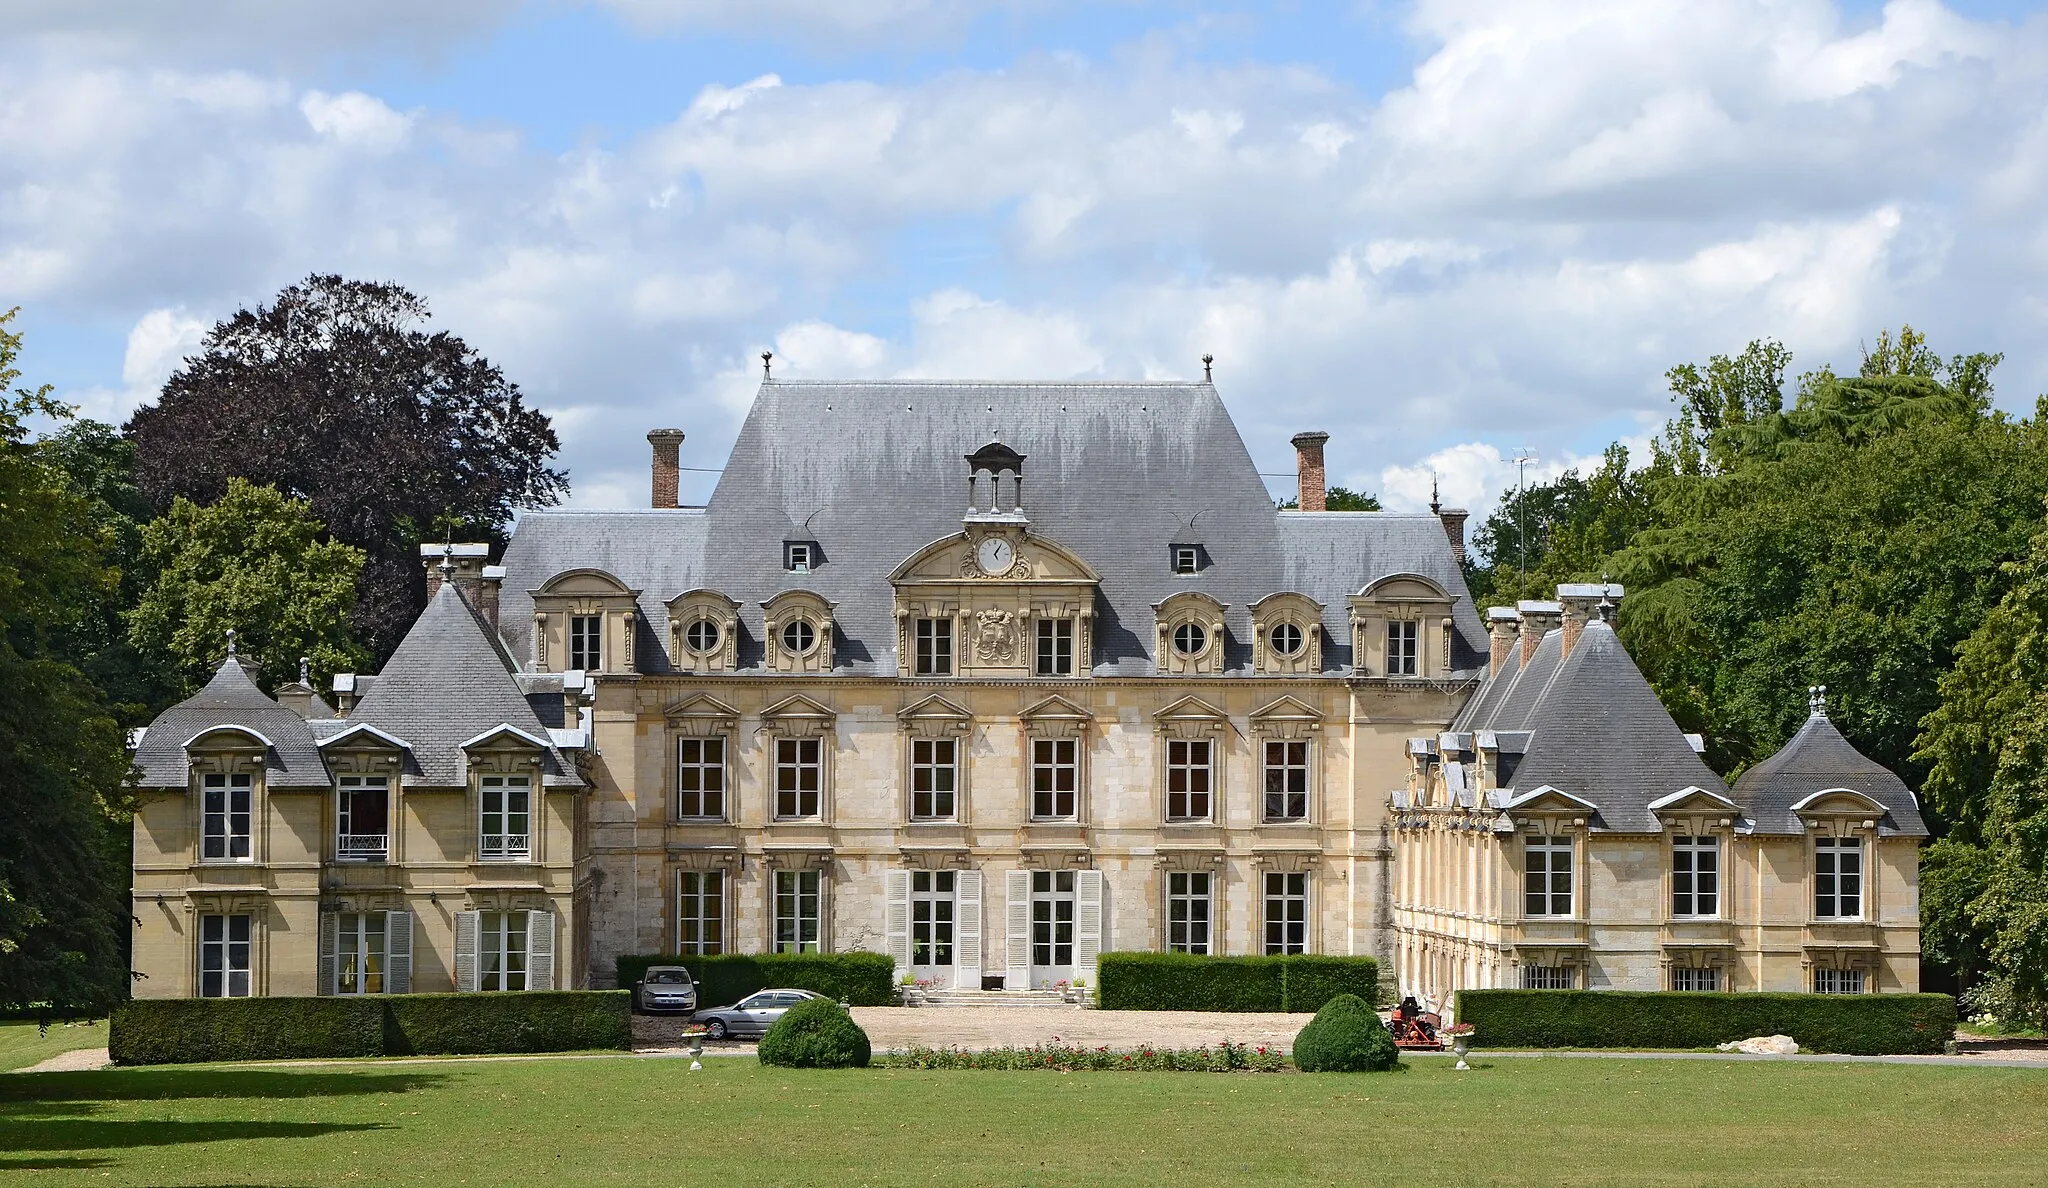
(995, 555)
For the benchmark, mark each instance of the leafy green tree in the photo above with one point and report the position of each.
(1342, 499)
(63, 886)
(1562, 530)
(254, 562)
(334, 393)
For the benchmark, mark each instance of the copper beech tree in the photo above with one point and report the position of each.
(337, 394)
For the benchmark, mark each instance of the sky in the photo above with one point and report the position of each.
(1443, 231)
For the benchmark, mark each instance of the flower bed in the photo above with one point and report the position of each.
(1225, 1057)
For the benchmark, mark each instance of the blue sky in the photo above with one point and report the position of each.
(1439, 230)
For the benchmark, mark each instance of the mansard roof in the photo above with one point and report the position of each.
(1819, 759)
(874, 471)
(1596, 729)
(231, 701)
(449, 683)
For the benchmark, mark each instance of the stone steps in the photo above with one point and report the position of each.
(1042, 999)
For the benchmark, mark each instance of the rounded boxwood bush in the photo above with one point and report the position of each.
(1345, 1036)
(816, 1033)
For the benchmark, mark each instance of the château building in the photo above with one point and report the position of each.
(988, 677)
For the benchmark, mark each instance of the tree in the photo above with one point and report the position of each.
(335, 395)
(1341, 499)
(63, 890)
(255, 563)
(1563, 530)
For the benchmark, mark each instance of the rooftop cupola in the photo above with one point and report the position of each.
(995, 485)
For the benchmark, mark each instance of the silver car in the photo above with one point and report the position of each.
(667, 988)
(752, 1015)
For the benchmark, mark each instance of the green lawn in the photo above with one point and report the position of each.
(24, 1044)
(651, 1122)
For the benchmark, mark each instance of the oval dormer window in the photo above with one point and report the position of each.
(1189, 639)
(702, 636)
(799, 637)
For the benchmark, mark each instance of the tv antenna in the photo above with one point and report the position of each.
(1522, 459)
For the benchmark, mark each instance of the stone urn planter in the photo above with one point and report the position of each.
(1460, 1037)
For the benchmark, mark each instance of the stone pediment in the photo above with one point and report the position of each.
(1692, 801)
(1191, 714)
(1286, 710)
(701, 708)
(594, 583)
(796, 709)
(952, 559)
(1840, 802)
(1055, 709)
(934, 708)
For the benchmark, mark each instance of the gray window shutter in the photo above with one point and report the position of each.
(896, 918)
(330, 923)
(465, 951)
(967, 930)
(1087, 922)
(1017, 931)
(540, 950)
(398, 952)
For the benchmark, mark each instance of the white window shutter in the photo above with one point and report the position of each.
(465, 951)
(1087, 922)
(1017, 931)
(540, 950)
(896, 918)
(398, 952)
(329, 924)
(967, 930)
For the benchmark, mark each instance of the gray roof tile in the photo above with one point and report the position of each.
(231, 699)
(1816, 759)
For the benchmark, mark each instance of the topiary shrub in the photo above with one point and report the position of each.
(816, 1033)
(1345, 1036)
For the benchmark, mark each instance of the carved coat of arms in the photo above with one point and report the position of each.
(995, 636)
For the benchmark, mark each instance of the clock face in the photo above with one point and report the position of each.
(995, 555)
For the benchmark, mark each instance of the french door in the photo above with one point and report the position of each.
(932, 907)
(1052, 926)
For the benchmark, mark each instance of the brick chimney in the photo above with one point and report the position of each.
(1538, 618)
(467, 569)
(1501, 624)
(1583, 601)
(1454, 527)
(667, 445)
(1308, 464)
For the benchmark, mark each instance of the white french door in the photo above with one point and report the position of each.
(933, 911)
(1052, 926)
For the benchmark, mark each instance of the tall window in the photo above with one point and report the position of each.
(1286, 913)
(1187, 779)
(505, 829)
(799, 773)
(931, 917)
(1404, 638)
(700, 778)
(935, 647)
(223, 956)
(1055, 777)
(1548, 977)
(1838, 878)
(1687, 978)
(362, 828)
(1187, 913)
(359, 953)
(796, 911)
(1052, 919)
(225, 818)
(1838, 981)
(700, 911)
(1286, 780)
(1056, 647)
(1547, 877)
(501, 950)
(1695, 876)
(934, 774)
(586, 642)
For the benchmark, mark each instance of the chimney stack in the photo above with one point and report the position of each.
(1582, 601)
(464, 566)
(1538, 618)
(1501, 625)
(1308, 464)
(667, 445)
(1454, 527)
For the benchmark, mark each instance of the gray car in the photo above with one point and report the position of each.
(667, 988)
(752, 1015)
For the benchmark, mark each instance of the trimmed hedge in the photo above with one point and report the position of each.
(1345, 1036)
(1183, 982)
(858, 979)
(207, 1030)
(816, 1033)
(1855, 1024)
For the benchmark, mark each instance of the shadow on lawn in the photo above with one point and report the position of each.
(153, 1084)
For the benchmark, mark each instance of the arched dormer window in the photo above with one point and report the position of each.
(703, 632)
(584, 620)
(1401, 628)
(799, 629)
(1287, 634)
(1190, 633)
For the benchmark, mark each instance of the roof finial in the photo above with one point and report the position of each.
(306, 671)
(767, 365)
(1817, 700)
(1207, 362)
(1436, 506)
(231, 643)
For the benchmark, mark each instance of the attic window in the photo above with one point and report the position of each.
(798, 556)
(1187, 559)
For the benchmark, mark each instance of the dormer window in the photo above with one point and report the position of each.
(799, 637)
(1404, 647)
(1189, 639)
(1187, 559)
(586, 642)
(799, 556)
(703, 636)
(1286, 639)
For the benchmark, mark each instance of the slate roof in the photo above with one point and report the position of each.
(450, 681)
(1816, 759)
(874, 471)
(230, 699)
(1596, 729)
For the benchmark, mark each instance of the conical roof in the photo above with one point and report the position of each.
(1817, 759)
(231, 699)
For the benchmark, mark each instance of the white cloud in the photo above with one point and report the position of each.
(353, 118)
(159, 345)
